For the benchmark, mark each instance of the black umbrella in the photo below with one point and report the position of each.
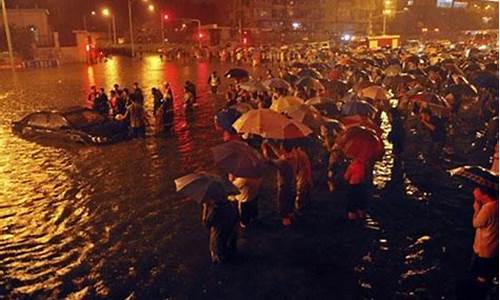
(237, 73)
(462, 90)
(309, 73)
(321, 67)
(485, 79)
(290, 78)
(417, 72)
(394, 81)
(298, 65)
(200, 186)
(337, 87)
(309, 82)
(477, 176)
(491, 67)
(226, 117)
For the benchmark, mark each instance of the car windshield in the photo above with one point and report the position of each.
(84, 118)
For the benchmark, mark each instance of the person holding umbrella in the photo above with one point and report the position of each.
(285, 163)
(218, 214)
(484, 264)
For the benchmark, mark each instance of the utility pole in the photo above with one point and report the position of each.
(7, 33)
(131, 27)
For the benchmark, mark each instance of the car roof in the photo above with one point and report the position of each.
(62, 111)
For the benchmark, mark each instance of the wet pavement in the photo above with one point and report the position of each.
(104, 222)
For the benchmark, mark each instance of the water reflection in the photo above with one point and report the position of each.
(78, 220)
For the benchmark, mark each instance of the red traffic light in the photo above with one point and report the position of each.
(165, 17)
(200, 35)
(245, 40)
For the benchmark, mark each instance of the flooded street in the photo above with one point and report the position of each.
(104, 222)
(72, 216)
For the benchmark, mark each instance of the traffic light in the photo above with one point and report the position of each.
(245, 38)
(166, 17)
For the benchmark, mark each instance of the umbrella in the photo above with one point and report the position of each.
(436, 69)
(417, 72)
(200, 186)
(309, 82)
(253, 86)
(242, 107)
(357, 120)
(321, 67)
(362, 85)
(305, 114)
(485, 79)
(360, 107)
(392, 70)
(290, 78)
(238, 158)
(465, 90)
(237, 73)
(276, 83)
(452, 68)
(327, 106)
(375, 93)
(395, 81)
(334, 125)
(477, 175)
(270, 124)
(336, 87)
(361, 143)
(309, 73)
(282, 103)
(298, 65)
(226, 117)
(431, 99)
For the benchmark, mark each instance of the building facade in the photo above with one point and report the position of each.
(301, 19)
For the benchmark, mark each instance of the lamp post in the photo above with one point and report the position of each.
(7, 33)
(131, 25)
(164, 18)
(106, 12)
(93, 13)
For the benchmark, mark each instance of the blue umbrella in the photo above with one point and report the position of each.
(225, 119)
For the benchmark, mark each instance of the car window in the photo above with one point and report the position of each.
(84, 118)
(56, 121)
(38, 120)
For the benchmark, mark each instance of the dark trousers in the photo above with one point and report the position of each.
(356, 197)
(249, 211)
(286, 196)
(138, 132)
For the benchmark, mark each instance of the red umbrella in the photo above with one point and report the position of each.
(361, 143)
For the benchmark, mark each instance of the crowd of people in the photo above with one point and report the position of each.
(435, 101)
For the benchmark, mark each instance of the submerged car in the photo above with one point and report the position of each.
(75, 124)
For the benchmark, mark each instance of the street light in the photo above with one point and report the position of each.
(107, 13)
(151, 7)
(7, 33)
(93, 13)
(131, 25)
(164, 18)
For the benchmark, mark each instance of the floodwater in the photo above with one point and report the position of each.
(71, 216)
(104, 222)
